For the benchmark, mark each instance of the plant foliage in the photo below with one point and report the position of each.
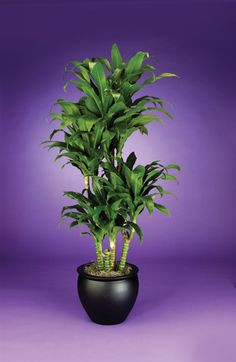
(93, 133)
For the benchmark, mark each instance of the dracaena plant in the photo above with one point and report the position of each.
(94, 131)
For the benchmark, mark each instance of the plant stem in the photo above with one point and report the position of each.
(125, 249)
(98, 247)
(112, 253)
(107, 260)
(118, 155)
(86, 182)
(124, 253)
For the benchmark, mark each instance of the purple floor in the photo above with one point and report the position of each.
(185, 312)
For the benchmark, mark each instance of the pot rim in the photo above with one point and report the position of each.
(82, 273)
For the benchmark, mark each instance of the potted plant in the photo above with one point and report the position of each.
(93, 132)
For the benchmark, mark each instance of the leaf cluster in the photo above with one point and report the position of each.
(94, 131)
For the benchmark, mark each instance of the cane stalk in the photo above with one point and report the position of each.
(112, 253)
(98, 247)
(126, 244)
(107, 260)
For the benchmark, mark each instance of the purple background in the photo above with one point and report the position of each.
(195, 41)
(186, 306)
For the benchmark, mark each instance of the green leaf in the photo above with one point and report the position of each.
(77, 196)
(149, 204)
(162, 208)
(143, 130)
(56, 116)
(59, 144)
(76, 206)
(91, 105)
(91, 64)
(100, 79)
(97, 134)
(135, 63)
(116, 57)
(131, 159)
(54, 132)
(67, 163)
(124, 134)
(73, 215)
(164, 192)
(123, 213)
(169, 75)
(150, 99)
(85, 233)
(105, 62)
(83, 74)
(98, 189)
(167, 176)
(150, 80)
(127, 174)
(139, 171)
(136, 228)
(72, 155)
(96, 214)
(73, 223)
(147, 189)
(162, 110)
(122, 119)
(152, 176)
(166, 75)
(139, 209)
(116, 75)
(144, 119)
(128, 90)
(173, 165)
(87, 89)
(136, 183)
(76, 63)
(86, 63)
(115, 108)
(107, 137)
(116, 180)
(69, 108)
(86, 123)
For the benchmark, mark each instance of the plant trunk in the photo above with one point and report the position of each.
(107, 260)
(98, 247)
(86, 182)
(124, 253)
(118, 155)
(112, 254)
(125, 249)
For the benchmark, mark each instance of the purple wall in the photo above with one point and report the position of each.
(195, 41)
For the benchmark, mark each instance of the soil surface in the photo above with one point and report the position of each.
(92, 269)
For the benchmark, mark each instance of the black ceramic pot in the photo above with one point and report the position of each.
(108, 300)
